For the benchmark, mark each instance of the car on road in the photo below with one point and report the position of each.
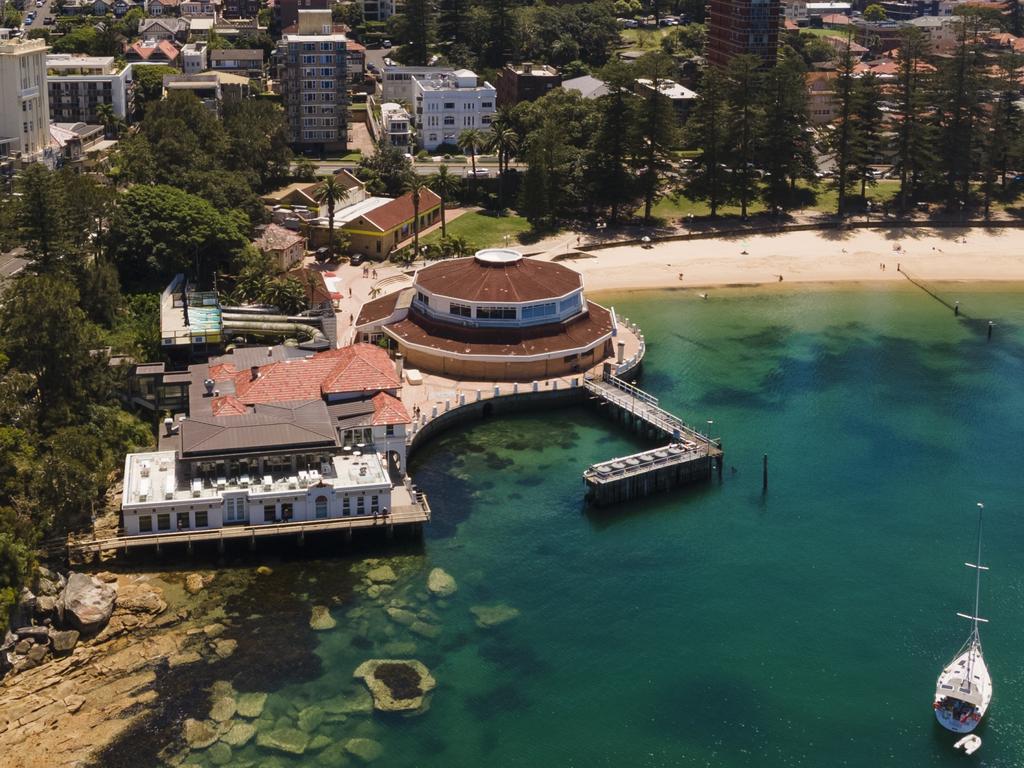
(479, 173)
(48, 21)
(387, 44)
(388, 62)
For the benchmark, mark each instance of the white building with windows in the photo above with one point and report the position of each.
(396, 123)
(447, 105)
(24, 99)
(79, 84)
(397, 82)
(273, 436)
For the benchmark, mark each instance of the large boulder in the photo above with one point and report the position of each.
(87, 602)
(441, 583)
(194, 584)
(48, 583)
(396, 685)
(63, 642)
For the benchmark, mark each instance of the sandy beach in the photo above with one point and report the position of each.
(804, 257)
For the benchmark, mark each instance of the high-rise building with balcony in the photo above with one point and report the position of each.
(737, 27)
(24, 101)
(313, 73)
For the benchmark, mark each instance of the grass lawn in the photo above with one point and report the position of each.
(677, 206)
(644, 39)
(484, 230)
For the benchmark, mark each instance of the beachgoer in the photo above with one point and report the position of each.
(680, 275)
(744, 253)
(350, 291)
(780, 278)
(351, 319)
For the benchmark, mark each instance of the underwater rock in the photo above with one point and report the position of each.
(321, 619)
(366, 750)
(223, 709)
(441, 583)
(401, 616)
(310, 718)
(251, 704)
(382, 574)
(423, 629)
(488, 616)
(396, 685)
(199, 734)
(239, 735)
(289, 740)
(219, 754)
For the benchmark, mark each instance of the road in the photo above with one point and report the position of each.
(11, 263)
(422, 169)
(42, 12)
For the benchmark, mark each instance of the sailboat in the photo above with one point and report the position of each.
(964, 689)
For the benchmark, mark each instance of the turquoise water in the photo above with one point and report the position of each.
(718, 626)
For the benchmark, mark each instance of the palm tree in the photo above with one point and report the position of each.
(504, 141)
(105, 114)
(414, 185)
(330, 193)
(471, 141)
(446, 185)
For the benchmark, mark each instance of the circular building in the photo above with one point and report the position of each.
(494, 316)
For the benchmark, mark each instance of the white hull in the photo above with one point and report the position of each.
(963, 691)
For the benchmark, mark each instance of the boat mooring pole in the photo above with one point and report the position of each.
(991, 325)
(764, 480)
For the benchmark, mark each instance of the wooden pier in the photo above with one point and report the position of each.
(412, 515)
(689, 456)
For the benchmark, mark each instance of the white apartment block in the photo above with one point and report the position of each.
(24, 100)
(314, 83)
(397, 85)
(447, 105)
(396, 124)
(79, 84)
(194, 58)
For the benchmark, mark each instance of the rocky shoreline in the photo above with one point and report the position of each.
(126, 669)
(83, 656)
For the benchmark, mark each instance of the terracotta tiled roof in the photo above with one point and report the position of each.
(389, 410)
(400, 210)
(357, 368)
(228, 405)
(523, 280)
(277, 238)
(581, 333)
(146, 52)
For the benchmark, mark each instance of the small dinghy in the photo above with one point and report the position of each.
(969, 744)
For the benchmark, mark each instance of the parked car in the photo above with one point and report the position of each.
(356, 259)
(388, 62)
(48, 21)
(387, 44)
(40, 3)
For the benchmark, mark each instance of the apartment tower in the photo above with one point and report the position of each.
(736, 27)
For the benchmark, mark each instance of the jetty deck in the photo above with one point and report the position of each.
(689, 457)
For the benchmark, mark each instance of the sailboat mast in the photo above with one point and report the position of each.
(977, 572)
